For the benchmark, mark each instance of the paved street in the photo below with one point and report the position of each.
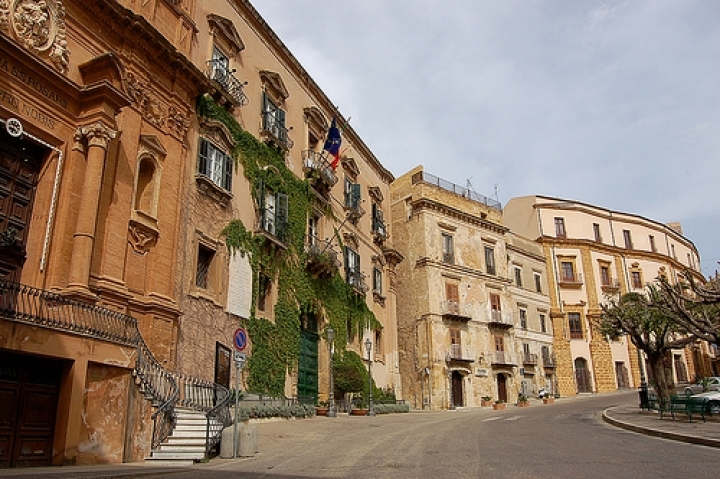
(565, 439)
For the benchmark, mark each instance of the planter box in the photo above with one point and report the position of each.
(321, 411)
(523, 404)
(548, 400)
(485, 403)
(499, 407)
(359, 412)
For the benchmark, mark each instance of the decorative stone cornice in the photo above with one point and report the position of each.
(428, 204)
(463, 270)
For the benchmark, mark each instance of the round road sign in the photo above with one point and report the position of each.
(240, 339)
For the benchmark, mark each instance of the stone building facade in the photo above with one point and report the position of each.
(96, 100)
(473, 310)
(592, 252)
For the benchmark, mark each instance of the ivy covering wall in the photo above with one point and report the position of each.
(276, 345)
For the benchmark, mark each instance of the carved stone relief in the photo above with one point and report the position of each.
(39, 26)
(154, 111)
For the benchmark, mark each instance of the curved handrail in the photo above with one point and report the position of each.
(26, 304)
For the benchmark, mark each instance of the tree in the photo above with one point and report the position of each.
(696, 307)
(650, 324)
(349, 373)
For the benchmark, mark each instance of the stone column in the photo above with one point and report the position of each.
(97, 136)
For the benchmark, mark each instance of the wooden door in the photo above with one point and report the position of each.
(222, 365)
(29, 389)
(457, 389)
(502, 387)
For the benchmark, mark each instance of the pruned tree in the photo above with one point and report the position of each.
(649, 323)
(696, 307)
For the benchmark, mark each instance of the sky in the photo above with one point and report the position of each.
(612, 103)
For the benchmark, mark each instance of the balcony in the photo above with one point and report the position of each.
(548, 362)
(610, 284)
(455, 310)
(353, 210)
(530, 359)
(225, 82)
(448, 258)
(271, 227)
(571, 280)
(318, 171)
(458, 353)
(275, 131)
(357, 280)
(322, 259)
(499, 319)
(379, 231)
(503, 358)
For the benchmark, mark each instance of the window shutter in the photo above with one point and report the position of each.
(203, 157)
(228, 172)
(282, 132)
(347, 264)
(260, 192)
(355, 192)
(281, 216)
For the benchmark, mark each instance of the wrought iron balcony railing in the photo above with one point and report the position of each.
(219, 73)
(574, 279)
(548, 362)
(456, 310)
(503, 358)
(357, 280)
(458, 353)
(530, 358)
(317, 168)
(323, 259)
(277, 130)
(499, 318)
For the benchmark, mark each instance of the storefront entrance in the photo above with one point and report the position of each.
(29, 388)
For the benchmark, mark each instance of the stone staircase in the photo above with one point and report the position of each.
(186, 444)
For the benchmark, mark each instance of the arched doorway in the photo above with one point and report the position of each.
(582, 376)
(457, 389)
(502, 387)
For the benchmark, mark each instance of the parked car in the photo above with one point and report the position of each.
(706, 384)
(713, 401)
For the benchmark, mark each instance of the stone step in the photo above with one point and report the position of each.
(177, 455)
(169, 462)
(175, 440)
(196, 448)
(188, 433)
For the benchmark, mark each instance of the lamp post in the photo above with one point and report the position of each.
(331, 396)
(368, 348)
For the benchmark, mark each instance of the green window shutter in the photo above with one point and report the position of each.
(228, 172)
(203, 157)
(355, 193)
(281, 216)
(260, 192)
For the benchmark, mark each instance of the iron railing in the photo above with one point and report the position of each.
(421, 176)
(314, 161)
(34, 306)
(216, 70)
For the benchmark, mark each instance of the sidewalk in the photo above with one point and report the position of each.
(649, 423)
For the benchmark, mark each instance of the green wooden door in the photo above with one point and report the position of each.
(308, 367)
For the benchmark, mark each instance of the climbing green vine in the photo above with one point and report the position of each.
(276, 345)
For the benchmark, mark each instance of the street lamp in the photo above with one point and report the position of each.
(331, 397)
(368, 348)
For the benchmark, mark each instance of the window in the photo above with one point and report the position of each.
(567, 272)
(499, 344)
(274, 213)
(264, 289)
(526, 351)
(215, 164)
(378, 342)
(494, 302)
(575, 326)
(448, 250)
(220, 65)
(543, 325)
(672, 250)
(596, 230)
(455, 336)
(653, 248)
(352, 266)
(628, 239)
(636, 279)
(377, 281)
(545, 353)
(274, 120)
(538, 283)
(204, 261)
(604, 275)
(518, 277)
(352, 195)
(560, 228)
(313, 231)
(523, 319)
(452, 297)
(489, 260)
(378, 223)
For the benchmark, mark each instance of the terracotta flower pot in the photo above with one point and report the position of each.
(523, 404)
(499, 406)
(359, 412)
(321, 411)
(485, 403)
(548, 400)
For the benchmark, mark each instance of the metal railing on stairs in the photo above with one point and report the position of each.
(166, 389)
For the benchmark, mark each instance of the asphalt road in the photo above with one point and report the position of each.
(565, 439)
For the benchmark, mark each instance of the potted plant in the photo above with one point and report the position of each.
(322, 408)
(359, 408)
(523, 401)
(499, 405)
(548, 400)
(486, 401)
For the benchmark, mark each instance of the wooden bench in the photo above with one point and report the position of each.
(684, 404)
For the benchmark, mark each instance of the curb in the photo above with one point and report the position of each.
(703, 441)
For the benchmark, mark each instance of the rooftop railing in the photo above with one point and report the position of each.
(421, 176)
